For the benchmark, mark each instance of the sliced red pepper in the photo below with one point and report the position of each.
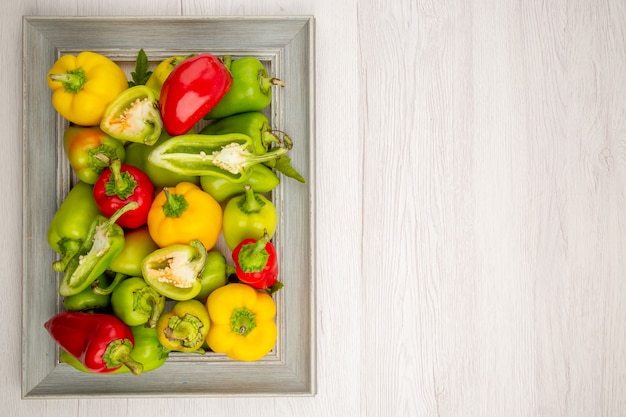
(118, 185)
(191, 90)
(256, 263)
(101, 342)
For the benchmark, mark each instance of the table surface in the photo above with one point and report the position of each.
(471, 213)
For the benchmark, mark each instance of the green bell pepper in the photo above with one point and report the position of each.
(174, 271)
(71, 222)
(251, 89)
(214, 275)
(104, 241)
(137, 303)
(137, 245)
(147, 350)
(134, 116)
(88, 299)
(261, 178)
(250, 215)
(137, 155)
(228, 156)
(89, 151)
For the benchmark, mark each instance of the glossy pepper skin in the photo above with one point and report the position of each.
(120, 184)
(256, 263)
(253, 124)
(147, 350)
(163, 70)
(174, 270)
(214, 275)
(261, 179)
(134, 116)
(191, 90)
(137, 303)
(89, 300)
(229, 156)
(101, 342)
(184, 213)
(137, 245)
(137, 155)
(250, 215)
(89, 151)
(83, 85)
(104, 241)
(251, 89)
(242, 322)
(185, 327)
(71, 223)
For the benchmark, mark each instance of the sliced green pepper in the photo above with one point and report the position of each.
(104, 241)
(251, 89)
(134, 116)
(185, 327)
(137, 245)
(228, 156)
(147, 350)
(89, 151)
(254, 124)
(174, 271)
(137, 155)
(71, 223)
(214, 275)
(88, 299)
(137, 303)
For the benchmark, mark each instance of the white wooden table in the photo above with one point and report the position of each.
(471, 216)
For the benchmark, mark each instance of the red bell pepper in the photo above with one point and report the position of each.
(101, 342)
(256, 263)
(120, 184)
(191, 90)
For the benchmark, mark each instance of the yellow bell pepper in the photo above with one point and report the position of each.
(242, 322)
(83, 85)
(184, 213)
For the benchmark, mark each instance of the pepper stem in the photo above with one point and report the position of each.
(117, 353)
(236, 158)
(132, 205)
(120, 184)
(185, 330)
(119, 277)
(242, 321)
(175, 204)
(253, 256)
(73, 80)
(250, 202)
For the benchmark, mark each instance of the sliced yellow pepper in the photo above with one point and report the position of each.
(242, 322)
(183, 213)
(83, 85)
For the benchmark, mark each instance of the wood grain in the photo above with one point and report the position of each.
(470, 240)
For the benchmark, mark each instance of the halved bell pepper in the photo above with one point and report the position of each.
(134, 116)
(174, 271)
(137, 303)
(250, 215)
(104, 241)
(137, 245)
(228, 156)
(137, 155)
(251, 89)
(242, 322)
(89, 151)
(71, 223)
(184, 328)
(83, 85)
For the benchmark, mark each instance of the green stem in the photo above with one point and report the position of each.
(119, 277)
(121, 184)
(73, 80)
(175, 204)
(249, 203)
(118, 353)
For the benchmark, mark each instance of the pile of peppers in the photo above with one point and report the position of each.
(164, 242)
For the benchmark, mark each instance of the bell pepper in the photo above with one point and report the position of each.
(256, 263)
(71, 223)
(89, 151)
(89, 300)
(137, 155)
(261, 179)
(163, 70)
(242, 322)
(137, 245)
(174, 270)
(147, 350)
(137, 303)
(83, 85)
(104, 241)
(134, 116)
(101, 342)
(214, 275)
(228, 156)
(191, 90)
(250, 215)
(183, 213)
(119, 184)
(184, 328)
(251, 89)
